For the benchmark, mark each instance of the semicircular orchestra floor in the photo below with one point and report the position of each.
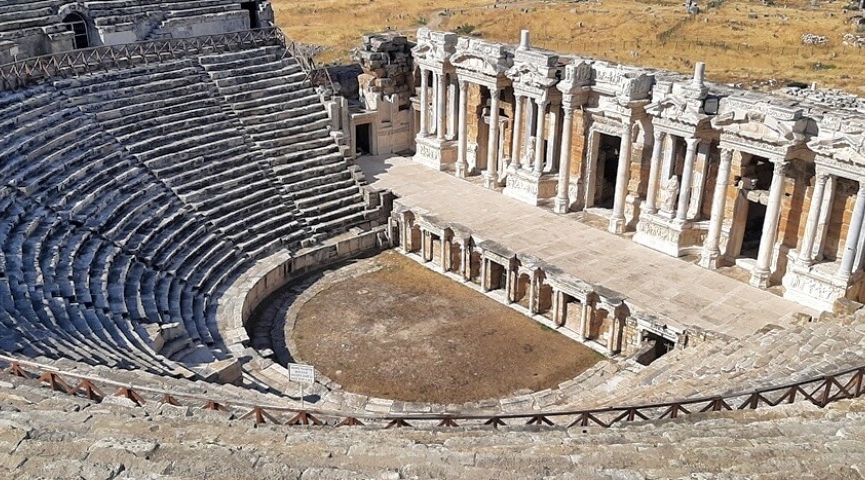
(401, 331)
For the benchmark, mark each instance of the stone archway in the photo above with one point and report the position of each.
(78, 25)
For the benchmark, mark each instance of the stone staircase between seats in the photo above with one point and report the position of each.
(285, 119)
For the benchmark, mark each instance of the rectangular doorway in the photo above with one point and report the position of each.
(363, 142)
(607, 166)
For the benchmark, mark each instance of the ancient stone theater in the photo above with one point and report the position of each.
(177, 179)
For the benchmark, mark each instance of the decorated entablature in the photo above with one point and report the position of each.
(760, 124)
(483, 62)
(840, 143)
(682, 105)
(434, 49)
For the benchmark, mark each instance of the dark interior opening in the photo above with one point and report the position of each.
(76, 24)
(608, 163)
(753, 230)
(656, 347)
(252, 9)
(362, 136)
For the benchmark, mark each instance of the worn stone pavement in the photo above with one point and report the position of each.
(677, 292)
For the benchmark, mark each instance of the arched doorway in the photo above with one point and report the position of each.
(76, 24)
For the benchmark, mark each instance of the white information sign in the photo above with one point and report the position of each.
(298, 372)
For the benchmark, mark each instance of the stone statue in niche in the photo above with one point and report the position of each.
(669, 194)
(529, 157)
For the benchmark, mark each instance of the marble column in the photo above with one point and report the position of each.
(760, 275)
(617, 222)
(516, 154)
(806, 257)
(539, 137)
(462, 135)
(585, 319)
(553, 148)
(853, 232)
(530, 116)
(491, 177)
(654, 173)
(441, 106)
(424, 103)
(592, 142)
(562, 201)
(453, 100)
(711, 247)
(687, 179)
(825, 218)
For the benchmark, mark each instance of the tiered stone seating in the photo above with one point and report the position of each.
(21, 18)
(50, 434)
(772, 356)
(131, 198)
(284, 117)
(66, 180)
(170, 119)
(160, 16)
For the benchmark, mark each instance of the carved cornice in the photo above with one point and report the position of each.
(481, 59)
(434, 49)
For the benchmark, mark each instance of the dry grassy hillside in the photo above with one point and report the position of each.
(740, 40)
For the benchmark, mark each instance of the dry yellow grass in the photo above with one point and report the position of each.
(742, 41)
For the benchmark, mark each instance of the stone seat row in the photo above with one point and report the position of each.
(132, 197)
(287, 122)
(100, 187)
(245, 187)
(76, 314)
(772, 356)
(74, 186)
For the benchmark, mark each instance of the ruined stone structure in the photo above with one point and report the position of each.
(166, 166)
(39, 27)
(770, 182)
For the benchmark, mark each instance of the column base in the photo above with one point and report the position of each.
(562, 205)
(760, 278)
(437, 154)
(530, 187)
(710, 259)
(461, 170)
(617, 225)
(491, 180)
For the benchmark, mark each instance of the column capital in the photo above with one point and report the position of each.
(780, 167)
(726, 154)
(568, 112)
(658, 135)
(822, 177)
(692, 142)
(464, 85)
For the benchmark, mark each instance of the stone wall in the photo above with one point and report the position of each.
(386, 87)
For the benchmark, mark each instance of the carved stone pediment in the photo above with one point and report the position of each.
(481, 57)
(434, 48)
(532, 76)
(844, 147)
(761, 122)
(680, 110)
(627, 84)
